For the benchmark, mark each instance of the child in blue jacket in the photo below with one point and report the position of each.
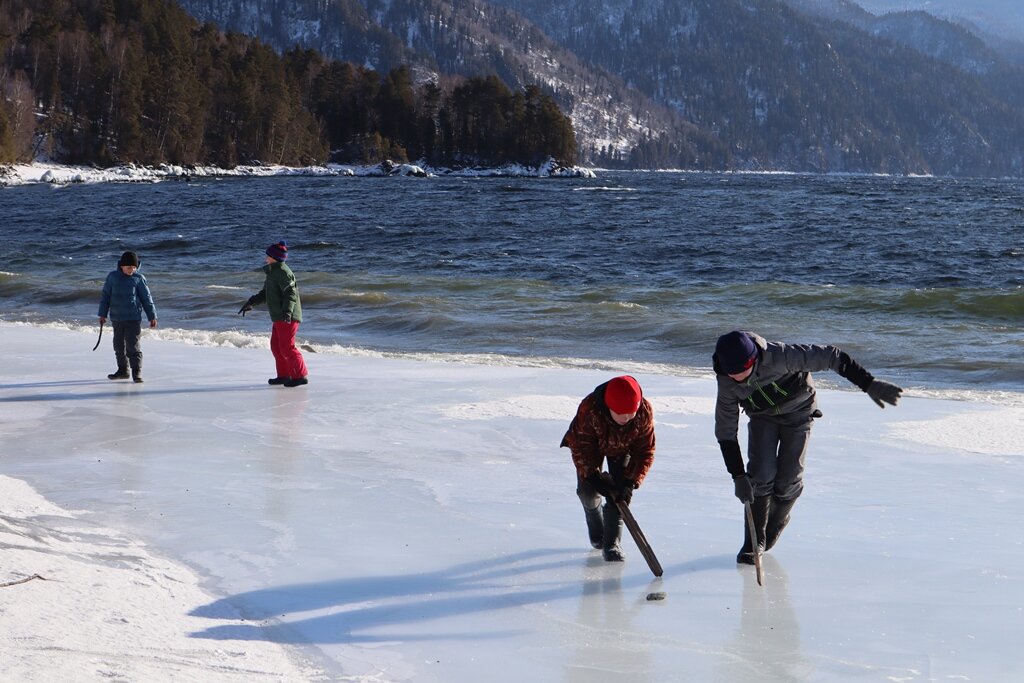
(125, 296)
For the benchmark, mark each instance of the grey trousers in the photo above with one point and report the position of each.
(776, 448)
(127, 347)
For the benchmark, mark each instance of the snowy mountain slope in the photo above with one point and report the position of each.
(751, 84)
(917, 23)
(788, 90)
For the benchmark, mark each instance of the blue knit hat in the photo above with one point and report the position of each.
(278, 251)
(735, 352)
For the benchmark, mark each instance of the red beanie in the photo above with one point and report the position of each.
(622, 395)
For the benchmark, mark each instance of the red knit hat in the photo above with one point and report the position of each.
(622, 395)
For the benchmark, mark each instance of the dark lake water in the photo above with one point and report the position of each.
(919, 278)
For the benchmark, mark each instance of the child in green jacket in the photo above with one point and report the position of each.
(281, 295)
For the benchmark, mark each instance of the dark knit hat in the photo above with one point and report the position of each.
(622, 395)
(735, 352)
(129, 258)
(278, 251)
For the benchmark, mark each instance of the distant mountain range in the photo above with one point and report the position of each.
(801, 85)
(999, 17)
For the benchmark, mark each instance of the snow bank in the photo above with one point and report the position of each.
(84, 602)
(56, 174)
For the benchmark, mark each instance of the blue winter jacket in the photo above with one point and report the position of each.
(125, 297)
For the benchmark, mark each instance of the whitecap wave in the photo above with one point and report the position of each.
(248, 340)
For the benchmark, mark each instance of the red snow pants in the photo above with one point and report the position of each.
(287, 356)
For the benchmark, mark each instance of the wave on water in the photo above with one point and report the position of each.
(622, 304)
(245, 340)
(957, 303)
(364, 297)
(71, 295)
(503, 360)
(319, 245)
(605, 189)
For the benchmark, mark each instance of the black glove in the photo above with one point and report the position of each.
(625, 491)
(882, 392)
(287, 317)
(602, 483)
(247, 306)
(744, 491)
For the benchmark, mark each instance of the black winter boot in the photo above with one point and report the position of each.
(778, 518)
(121, 373)
(135, 362)
(595, 526)
(760, 509)
(612, 551)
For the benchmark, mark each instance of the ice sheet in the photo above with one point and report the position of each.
(400, 520)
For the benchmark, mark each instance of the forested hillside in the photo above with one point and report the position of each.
(788, 92)
(115, 81)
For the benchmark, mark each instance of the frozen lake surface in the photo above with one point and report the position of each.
(403, 520)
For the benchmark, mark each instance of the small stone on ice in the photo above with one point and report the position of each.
(656, 596)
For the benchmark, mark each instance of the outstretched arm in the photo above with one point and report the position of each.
(257, 298)
(880, 391)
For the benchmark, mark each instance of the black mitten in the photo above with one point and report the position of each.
(882, 392)
(625, 492)
(247, 306)
(601, 482)
(743, 489)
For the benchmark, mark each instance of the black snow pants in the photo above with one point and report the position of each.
(127, 346)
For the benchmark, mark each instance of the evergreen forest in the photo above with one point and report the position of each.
(109, 82)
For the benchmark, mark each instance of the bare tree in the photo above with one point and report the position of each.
(21, 108)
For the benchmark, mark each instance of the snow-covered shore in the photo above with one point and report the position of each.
(414, 520)
(58, 174)
(83, 602)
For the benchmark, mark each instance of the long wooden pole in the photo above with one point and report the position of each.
(638, 536)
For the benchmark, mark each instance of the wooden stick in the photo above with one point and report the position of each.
(753, 543)
(638, 536)
(26, 580)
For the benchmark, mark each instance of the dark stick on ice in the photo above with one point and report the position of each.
(25, 580)
(638, 536)
(753, 543)
(99, 337)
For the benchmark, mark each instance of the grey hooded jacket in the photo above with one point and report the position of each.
(780, 384)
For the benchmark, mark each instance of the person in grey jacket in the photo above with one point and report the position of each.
(771, 382)
(125, 296)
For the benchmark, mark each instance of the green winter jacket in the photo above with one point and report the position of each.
(280, 293)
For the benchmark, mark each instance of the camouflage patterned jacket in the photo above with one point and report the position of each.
(594, 436)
